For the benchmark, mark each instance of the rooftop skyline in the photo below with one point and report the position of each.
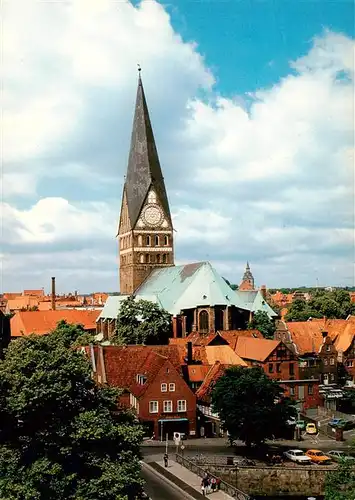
(252, 117)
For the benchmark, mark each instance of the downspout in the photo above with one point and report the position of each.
(103, 370)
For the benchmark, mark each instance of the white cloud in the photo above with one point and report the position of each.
(267, 176)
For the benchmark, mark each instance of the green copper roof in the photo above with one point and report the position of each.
(189, 286)
(185, 287)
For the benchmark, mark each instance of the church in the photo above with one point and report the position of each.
(196, 296)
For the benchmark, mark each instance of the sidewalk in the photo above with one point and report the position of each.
(322, 442)
(191, 479)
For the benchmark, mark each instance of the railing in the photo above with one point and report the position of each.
(200, 471)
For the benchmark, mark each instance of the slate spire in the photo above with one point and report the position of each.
(143, 169)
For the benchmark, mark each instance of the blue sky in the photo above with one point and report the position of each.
(249, 43)
(251, 104)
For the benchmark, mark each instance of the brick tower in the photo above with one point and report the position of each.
(247, 282)
(145, 230)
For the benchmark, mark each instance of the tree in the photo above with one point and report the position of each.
(250, 405)
(331, 304)
(72, 335)
(61, 436)
(263, 323)
(340, 484)
(142, 322)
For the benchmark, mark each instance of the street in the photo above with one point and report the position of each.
(159, 489)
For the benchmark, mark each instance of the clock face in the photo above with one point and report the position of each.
(152, 215)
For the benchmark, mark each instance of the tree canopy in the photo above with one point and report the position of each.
(333, 304)
(340, 483)
(263, 323)
(251, 406)
(142, 322)
(61, 436)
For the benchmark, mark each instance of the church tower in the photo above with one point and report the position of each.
(248, 280)
(145, 229)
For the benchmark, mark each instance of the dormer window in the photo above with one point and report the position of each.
(141, 379)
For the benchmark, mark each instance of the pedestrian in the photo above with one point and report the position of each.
(166, 458)
(205, 484)
(218, 483)
(213, 484)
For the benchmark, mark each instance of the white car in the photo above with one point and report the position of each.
(297, 456)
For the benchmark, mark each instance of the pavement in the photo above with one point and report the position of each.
(219, 445)
(190, 479)
(159, 487)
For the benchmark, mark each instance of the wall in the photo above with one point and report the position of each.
(168, 374)
(273, 481)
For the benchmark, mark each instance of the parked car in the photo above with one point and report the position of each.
(297, 456)
(311, 429)
(341, 423)
(339, 456)
(318, 457)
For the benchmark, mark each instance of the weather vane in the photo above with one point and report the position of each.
(139, 68)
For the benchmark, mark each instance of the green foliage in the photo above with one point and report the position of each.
(141, 322)
(72, 335)
(250, 405)
(340, 484)
(331, 304)
(263, 323)
(61, 436)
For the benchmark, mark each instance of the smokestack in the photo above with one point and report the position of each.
(189, 353)
(53, 293)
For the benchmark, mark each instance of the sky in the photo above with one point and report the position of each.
(252, 106)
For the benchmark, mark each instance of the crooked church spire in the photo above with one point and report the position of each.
(143, 169)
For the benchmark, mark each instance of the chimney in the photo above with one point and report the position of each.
(53, 293)
(263, 291)
(324, 335)
(189, 352)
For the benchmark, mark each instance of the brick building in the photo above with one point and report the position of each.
(196, 296)
(152, 384)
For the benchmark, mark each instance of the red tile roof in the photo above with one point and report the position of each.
(197, 373)
(35, 293)
(124, 363)
(172, 352)
(42, 322)
(255, 349)
(307, 335)
(203, 393)
(231, 336)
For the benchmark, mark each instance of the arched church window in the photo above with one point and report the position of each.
(152, 197)
(140, 240)
(166, 240)
(156, 240)
(147, 258)
(203, 321)
(164, 258)
(148, 240)
(158, 258)
(141, 258)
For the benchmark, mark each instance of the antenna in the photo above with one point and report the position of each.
(139, 69)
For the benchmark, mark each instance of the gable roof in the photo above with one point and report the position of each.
(122, 364)
(143, 169)
(255, 349)
(197, 373)
(216, 371)
(254, 301)
(307, 335)
(224, 354)
(42, 322)
(231, 336)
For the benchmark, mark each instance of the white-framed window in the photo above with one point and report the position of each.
(332, 361)
(164, 387)
(168, 406)
(181, 405)
(153, 407)
(172, 387)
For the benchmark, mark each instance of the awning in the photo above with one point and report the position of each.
(173, 420)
